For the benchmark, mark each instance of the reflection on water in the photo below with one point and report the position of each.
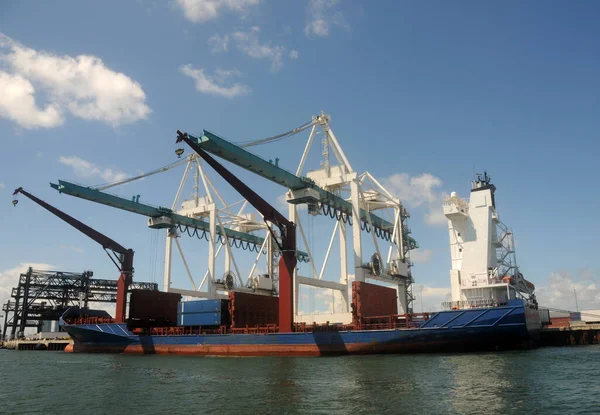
(553, 380)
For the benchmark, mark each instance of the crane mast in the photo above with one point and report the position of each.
(123, 256)
(288, 259)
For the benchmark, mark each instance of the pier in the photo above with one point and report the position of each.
(58, 344)
(571, 335)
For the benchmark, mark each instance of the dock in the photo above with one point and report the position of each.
(38, 344)
(571, 335)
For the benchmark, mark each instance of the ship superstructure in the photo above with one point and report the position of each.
(484, 269)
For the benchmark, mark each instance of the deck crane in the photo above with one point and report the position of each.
(121, 256)
(288, 259)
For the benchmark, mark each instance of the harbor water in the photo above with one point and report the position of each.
(546, 381)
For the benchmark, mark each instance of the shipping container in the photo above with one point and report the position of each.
(370, 300)
(153, 308)
(560, 322)
(590, 316)
(199, 319)
(575, 316)
(203, 306)
(253, 309)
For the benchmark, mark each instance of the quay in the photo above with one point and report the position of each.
(48, 344)
(570, 335)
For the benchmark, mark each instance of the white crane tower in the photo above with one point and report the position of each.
(390, 262)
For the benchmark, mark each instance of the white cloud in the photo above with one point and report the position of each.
(17, 103)
(419, 191)
(281, 203)
(82, 85)
(2, 186)
(428, 298)
(200, 11)
(557, 291)
(248, 43)
(219, 43)
(321, 15)
(420, 256)
(214, 85)
(72, 248)
(84, 169)
(435, 216)
(415, 190)
(10, 278)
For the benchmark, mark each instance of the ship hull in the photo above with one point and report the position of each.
(451, 331)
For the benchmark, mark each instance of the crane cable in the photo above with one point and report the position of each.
(141, 176)
(180, 162)
(277, 137)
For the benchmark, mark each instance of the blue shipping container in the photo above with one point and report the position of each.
(201, 306)
(199, 319)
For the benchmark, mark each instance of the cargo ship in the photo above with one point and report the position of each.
(509, 326)
(493, 306)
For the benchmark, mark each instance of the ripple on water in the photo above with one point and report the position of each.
(549, 381)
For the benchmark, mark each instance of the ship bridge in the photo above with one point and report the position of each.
(484, 266)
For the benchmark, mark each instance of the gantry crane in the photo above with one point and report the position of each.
(288, 259)
(121, 256)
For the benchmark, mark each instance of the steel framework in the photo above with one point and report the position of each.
(210, 207)
(45, 295)
(358, 200)
(390, 263)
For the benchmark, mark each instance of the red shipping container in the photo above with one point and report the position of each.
(559, 322)
(370, 300)
(252, 309)
(153, 307)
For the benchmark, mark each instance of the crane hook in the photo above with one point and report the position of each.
(15, 202)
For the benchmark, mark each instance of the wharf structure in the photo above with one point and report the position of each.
(41, 297)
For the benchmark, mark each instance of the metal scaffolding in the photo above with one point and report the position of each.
(45, 295)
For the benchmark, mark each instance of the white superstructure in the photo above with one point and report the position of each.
(484, 267)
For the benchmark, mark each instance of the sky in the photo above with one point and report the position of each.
(421, 94)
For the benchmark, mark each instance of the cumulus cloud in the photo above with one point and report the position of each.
(559, 290)
(281, 203)
(321, 15)
(435, 216)
(215, 84)
(81, 85)
(200, 11)
(85, 169)
(415, 190)
(17, 103)
(420, 191)
(249, 44)
(429, 298)
(72, 248)
(420, 256)
(9, 278)
(218, 43)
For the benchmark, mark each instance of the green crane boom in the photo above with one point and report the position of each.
(160, 217)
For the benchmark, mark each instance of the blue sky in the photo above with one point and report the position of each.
(427, 93)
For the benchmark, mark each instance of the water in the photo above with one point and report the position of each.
(545, 381)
